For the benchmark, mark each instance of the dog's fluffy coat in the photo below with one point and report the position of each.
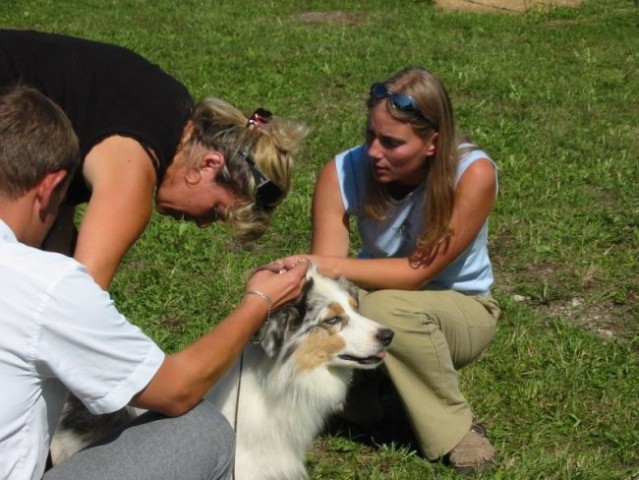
(280, 393)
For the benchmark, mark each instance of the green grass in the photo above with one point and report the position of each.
(552, 95)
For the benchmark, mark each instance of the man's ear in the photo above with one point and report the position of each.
(50, 191)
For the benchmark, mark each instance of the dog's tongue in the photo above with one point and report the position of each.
(381, 355)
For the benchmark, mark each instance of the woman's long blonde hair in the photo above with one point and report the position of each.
(220, 126)
(436, 110)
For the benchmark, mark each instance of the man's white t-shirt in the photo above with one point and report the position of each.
(59, 331)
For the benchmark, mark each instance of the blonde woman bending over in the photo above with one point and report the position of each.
(143, 138)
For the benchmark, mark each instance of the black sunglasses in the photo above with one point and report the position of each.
(399, 101)
(268, 194)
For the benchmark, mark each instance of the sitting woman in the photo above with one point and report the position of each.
(422, 199)
(143, 138)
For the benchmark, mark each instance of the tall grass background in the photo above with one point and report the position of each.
(552, 95)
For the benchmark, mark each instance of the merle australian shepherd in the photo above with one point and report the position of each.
(280, 393)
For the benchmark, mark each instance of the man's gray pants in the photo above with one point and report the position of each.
(198, 445)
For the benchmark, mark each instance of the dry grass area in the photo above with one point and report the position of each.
(480, 6)
(338, 17)
(503, 6)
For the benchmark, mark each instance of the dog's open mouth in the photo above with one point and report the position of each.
(364, 360)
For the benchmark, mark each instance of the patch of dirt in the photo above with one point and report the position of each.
(560, 290)
(585, 307)
(503, 6)
(606, 319)
(172, 323)
(480, 6)
(342, 18)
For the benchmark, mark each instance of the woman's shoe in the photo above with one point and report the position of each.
(474, 452)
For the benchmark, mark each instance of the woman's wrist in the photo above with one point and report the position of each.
(263, 296)
(259, 335)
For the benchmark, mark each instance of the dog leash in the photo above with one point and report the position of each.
(237, 402)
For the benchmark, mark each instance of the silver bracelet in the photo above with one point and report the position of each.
(259, 335)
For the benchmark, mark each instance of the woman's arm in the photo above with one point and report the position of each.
(122, 181)
(474, 199)
(185, 377)
(329, 219)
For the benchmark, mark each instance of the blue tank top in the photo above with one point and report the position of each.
(396, 235)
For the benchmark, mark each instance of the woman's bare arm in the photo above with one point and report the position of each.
(185, 377)
(475, 196)
(122, 181)
(329, 219)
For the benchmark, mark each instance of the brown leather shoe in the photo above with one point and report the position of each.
(474, 452)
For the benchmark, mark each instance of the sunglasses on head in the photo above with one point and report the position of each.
(399, 101)
(267, 194)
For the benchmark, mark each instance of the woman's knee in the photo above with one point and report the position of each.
(378, 306)
(394, 309)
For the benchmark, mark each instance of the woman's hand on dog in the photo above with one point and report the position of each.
(281, 285)
(286, 264)
(186, 376)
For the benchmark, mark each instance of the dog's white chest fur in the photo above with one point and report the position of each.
(279, 413)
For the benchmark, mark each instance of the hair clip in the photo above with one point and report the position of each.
(259, 118)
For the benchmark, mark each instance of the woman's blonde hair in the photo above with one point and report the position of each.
(435, 116)
(220, 126)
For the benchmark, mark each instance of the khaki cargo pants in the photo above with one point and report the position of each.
(436, 333)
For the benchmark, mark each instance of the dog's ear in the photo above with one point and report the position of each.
(275, 331)
(284, 321)
(350, 288)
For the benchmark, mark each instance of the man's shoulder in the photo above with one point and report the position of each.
(19, 260)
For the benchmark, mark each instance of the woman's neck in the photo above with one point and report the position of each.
(398, 191)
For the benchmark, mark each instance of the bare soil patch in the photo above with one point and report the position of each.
(481, 6)
(503, 6)
(339, 17)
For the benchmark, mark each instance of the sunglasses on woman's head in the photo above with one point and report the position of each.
(399, 101)
(268, 194)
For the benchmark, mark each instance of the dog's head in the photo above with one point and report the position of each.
(323, 327)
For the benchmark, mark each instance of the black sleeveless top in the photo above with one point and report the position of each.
(104, 90)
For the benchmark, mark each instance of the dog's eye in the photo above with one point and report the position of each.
(333, 321)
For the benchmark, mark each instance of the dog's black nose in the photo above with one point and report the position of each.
(385, 335)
